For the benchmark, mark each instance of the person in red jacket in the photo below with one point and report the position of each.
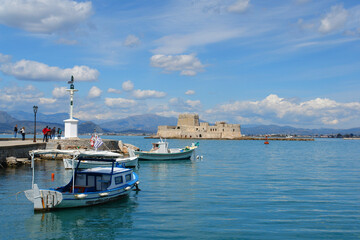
(45, 132)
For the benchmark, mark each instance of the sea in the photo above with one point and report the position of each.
(229, 190)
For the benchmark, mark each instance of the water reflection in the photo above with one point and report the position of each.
(83, 223)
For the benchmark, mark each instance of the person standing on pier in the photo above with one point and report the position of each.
(22, 130)
(53, 131)
(45, 132)
(59, 131)
(15, 131)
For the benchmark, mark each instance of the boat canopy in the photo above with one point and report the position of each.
(78, 153)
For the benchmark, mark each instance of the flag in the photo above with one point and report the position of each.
(98, 142)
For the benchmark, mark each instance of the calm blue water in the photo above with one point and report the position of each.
(239, 190)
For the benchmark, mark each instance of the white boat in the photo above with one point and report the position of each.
(161, 151)
(97, 158)
(87, 187)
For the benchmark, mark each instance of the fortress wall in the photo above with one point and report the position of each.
(187, 119)
(190, 127)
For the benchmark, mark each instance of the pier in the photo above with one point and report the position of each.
(17, 148)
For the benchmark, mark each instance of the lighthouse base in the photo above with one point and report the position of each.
(71, 129)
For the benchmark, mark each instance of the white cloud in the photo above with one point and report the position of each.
(4, 58)
(60, 92)
(239, 6)
(47, 100)
(189, 106)
(36, 71)
(120, 102)
(274, 109)
(127, 86)
(186, 64)
(15, 96)
(177, 44)
(94, 92)
(132, 41)
(143, 94)
(39, 16)
(190, 92)
(194, 104)
(334, 20)
(113, 90)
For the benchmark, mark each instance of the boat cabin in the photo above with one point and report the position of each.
(160, 147)
(98, 179)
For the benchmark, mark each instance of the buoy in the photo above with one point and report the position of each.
(266, 142)
(52, 176)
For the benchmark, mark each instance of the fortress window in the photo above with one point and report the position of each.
(199, 135)
(233, 130)
(223, 130)
(178, 128)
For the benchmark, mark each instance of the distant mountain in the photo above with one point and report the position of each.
(53, 118)
(146, 123)
(6, 118)
(142, 124)
(89, 127)
(287, 130)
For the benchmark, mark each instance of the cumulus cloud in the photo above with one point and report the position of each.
(239, 6)
(113, 90)
(180, 105)
(47, 100)
(4, 58)
(36, 71)
(274, 109)
(127, 86)
(333, 20)
(120, 102)
(14, 96)
(186, 64)
(40, 16)
(143, 94)
(94, 92)
(190, 92)
(132, 41)
(59, 92)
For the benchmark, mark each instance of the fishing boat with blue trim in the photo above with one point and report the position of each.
(160, 151)
(87, 187)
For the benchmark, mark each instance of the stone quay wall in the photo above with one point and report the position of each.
(18, 150)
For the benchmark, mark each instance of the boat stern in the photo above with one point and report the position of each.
(43, 199)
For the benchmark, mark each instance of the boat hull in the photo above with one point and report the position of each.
(50, 199)
(149, 156)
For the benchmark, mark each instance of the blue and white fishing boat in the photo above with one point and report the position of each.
(161, 151)
(87, 187)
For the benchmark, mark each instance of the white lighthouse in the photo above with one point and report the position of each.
(71, 125)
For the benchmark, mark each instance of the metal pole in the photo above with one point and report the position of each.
(35, 128)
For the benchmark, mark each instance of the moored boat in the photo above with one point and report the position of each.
(161, 151)
(87, 187)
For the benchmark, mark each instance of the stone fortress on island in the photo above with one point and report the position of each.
(189, 126)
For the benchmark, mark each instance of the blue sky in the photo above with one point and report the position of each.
(293, 62)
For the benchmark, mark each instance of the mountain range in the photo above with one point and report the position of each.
(141, 124)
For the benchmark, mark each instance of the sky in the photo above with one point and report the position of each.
(285, 62)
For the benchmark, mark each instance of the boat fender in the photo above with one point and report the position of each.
(80, 196)
(137, 186)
